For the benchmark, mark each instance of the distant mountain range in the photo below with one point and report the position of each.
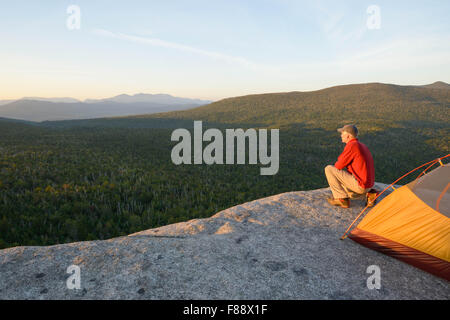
(356, 102)
(56, 100)
(42, 109)
(153, 98)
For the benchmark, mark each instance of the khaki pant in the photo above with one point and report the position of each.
(343, 184)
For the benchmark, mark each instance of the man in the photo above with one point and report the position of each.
(360, 175)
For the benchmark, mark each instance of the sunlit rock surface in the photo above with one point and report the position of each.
(281, 247)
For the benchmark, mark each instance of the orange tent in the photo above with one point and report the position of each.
(412, 224)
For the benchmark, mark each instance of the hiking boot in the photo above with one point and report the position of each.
(371, 198)
(344, 202)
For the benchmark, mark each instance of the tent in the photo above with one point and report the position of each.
(412, 223)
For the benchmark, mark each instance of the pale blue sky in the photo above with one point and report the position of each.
(217, 49)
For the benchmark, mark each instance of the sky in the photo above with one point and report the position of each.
(216, 49)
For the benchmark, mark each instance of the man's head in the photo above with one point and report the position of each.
(348, 132)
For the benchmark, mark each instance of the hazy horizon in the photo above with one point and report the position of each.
(100, 98)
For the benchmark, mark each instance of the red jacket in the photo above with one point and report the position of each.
(359, 162)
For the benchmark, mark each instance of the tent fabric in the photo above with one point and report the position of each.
(407, 226)
(401, 252)
(433, 187)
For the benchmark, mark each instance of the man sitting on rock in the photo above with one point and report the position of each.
(359, 178)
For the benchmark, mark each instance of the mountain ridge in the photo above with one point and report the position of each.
(329, 106)
(438, 85)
